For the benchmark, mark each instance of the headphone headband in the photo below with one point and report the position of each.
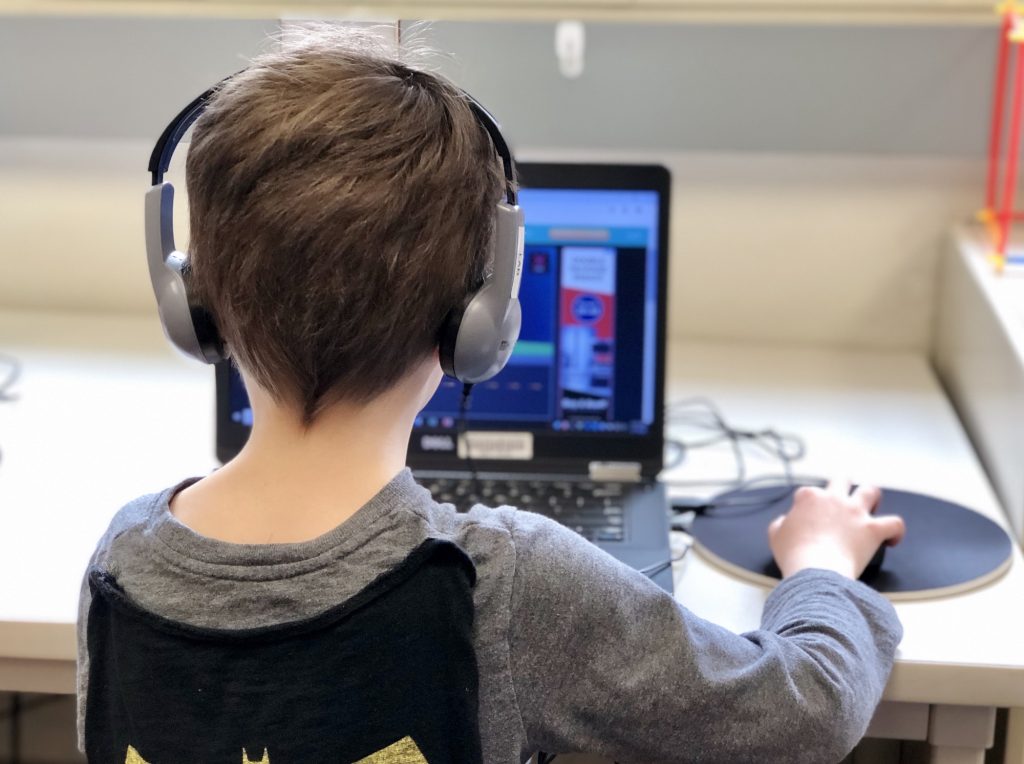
(490, 124)
(169, 139)
(160, 158)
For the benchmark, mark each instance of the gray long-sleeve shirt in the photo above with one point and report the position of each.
(575, 651)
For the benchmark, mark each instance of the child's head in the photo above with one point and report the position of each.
(341, 204)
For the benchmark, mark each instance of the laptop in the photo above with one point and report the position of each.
(572, 428)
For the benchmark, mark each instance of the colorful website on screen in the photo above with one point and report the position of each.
(585, 360)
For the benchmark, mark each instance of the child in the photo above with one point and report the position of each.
(342, 205)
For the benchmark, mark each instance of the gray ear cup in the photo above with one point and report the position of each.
(477, 343)
(189, 328)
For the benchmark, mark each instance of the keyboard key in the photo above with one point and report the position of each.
(594, 510)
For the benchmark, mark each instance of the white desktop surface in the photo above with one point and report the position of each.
(876, 417)
(105, 412)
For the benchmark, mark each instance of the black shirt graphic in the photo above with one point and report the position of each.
(388, 676)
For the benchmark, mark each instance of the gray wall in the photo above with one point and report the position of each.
(112, 78)
(725, 89)
(848, 89)
(816, 170)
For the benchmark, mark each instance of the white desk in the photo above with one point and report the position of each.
(881, 418)
(106, 412)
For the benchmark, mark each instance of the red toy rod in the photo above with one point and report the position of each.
(1013, 155)
(997, 113)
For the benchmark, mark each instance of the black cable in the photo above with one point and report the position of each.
(467, 390)
(652, 570)
(787, 448)
(725, 432)
(725, 500)
(680, 412)
(784, 447)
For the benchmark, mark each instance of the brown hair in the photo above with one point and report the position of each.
(341, 204)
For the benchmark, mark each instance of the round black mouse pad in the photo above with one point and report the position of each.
(948, 548)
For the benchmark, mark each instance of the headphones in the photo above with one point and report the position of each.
(477, 337)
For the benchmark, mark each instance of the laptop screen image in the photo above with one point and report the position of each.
(585, 360)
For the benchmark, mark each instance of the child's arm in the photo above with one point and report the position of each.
(605, 661)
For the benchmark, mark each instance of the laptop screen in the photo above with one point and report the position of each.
(585, 360)
(584, 382)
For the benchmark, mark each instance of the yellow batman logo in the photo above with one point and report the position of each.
(405, 751)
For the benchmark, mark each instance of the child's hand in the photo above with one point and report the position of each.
(832, 529)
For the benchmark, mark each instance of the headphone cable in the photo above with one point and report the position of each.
(467, 390)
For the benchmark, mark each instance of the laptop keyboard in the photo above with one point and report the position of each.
(594, 510)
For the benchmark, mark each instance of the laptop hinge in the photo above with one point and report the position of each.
(621, 472)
